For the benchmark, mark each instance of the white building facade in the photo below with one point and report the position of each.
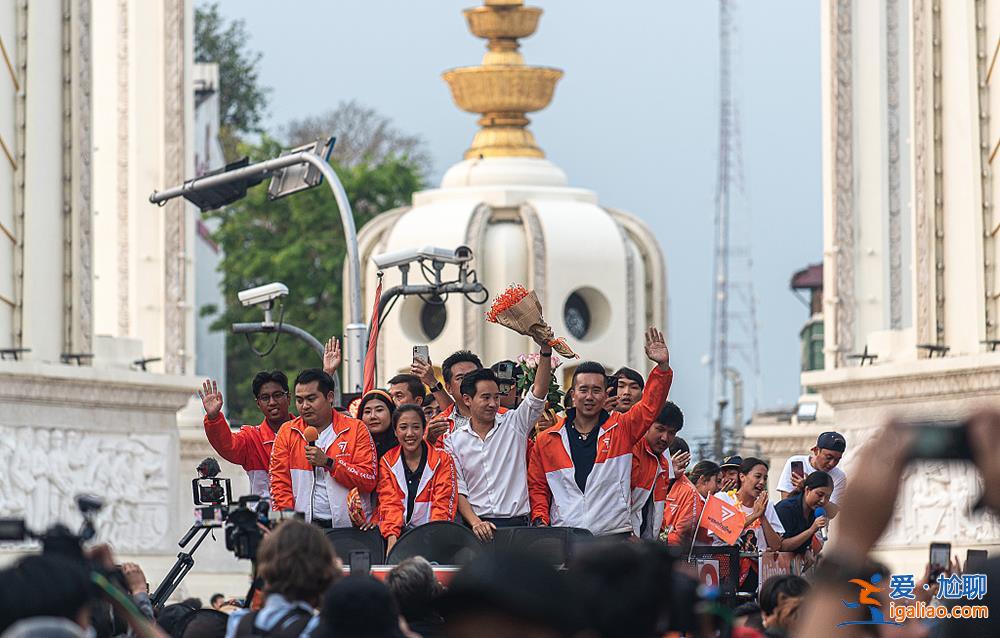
(97, 287)
(911, 127)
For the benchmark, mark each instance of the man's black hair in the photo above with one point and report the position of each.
(751, 611)
(473, 378)
(274, 376)
(43, 585)
(631, 375)
(587, 367)
(787, 584)
(462, 356)
(679, 445)
(322, 379)
(215, 597)
(671, 416)
(202, 623)
(413, 384)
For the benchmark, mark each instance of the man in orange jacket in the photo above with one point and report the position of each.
(580, 470)
(315, 477)
(653, 471)
(251, 446)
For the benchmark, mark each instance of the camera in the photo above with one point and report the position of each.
(265, 294)
(397, 258)
(506, 378)
(211, 495)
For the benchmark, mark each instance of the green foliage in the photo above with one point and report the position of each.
(242, 100)
(297, 240)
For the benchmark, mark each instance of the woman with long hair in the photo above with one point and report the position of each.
(762, 528)
(417, 483)
(798, 512)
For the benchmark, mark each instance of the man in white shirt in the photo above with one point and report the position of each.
(825, 456)
(490, 450)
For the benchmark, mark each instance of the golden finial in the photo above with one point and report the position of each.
(503, 89)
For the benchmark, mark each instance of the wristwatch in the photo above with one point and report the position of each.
(329, 463)
(437, 387)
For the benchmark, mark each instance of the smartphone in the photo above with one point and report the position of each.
(360, 562)
(940, 440)
(612, 386)
(975, 560)
(940, 558)
(421, 353)
(798, 469)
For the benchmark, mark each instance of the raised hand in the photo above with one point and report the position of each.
(424, 370)
(332, 355)
(211, 398)
(760, 505)
(436, 427)
(656, 348)
(680, 461)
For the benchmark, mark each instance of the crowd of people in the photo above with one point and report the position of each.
(489, 449)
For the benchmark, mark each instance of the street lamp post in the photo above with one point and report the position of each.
(355, 330)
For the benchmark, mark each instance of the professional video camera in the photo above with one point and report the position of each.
(245, 521)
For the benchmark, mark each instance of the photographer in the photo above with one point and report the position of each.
(46, 586)
(297, 564)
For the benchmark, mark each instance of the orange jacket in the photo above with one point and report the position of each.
(605, 507)
(650, 473)
(683, 506)
(437, 491)
(293, 479)
(250, 448)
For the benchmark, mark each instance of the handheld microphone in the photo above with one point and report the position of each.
(822, 531)
(311, 435)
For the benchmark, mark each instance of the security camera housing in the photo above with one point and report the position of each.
(398, 258)
(262, 294)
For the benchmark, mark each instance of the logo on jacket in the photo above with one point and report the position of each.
(343, 446)
(606, 442)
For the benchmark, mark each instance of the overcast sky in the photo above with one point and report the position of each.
(634, 118)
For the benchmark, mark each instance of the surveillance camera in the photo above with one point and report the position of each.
(396, 258)
(262, 294)
(459, 255)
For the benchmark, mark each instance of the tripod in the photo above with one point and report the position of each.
(182, 566)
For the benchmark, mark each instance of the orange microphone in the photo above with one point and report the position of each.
(311, 435)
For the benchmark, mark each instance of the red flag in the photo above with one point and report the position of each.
(369, 382)
(723, 519)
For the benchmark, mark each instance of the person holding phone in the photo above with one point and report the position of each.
(825, 456)
(417, 483)
(453, 414)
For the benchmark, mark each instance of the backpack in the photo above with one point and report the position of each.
(291, 625)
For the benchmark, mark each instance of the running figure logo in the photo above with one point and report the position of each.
(865, 598)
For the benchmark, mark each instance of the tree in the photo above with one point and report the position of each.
(242, 100)
(363, 135)
(296, 240)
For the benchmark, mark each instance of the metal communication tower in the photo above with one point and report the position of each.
(734, 315)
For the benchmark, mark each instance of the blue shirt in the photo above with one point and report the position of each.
(794, 520)
(275, 608)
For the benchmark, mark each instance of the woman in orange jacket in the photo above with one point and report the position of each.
(417, 483)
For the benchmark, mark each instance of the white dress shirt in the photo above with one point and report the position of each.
(493, 472)
(321, 499)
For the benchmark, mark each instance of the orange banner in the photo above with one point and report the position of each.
(723, 520)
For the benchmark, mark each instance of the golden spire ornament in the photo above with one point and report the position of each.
(503, 89)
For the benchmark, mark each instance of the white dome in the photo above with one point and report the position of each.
(504, 171)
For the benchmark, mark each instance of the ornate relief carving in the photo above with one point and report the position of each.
(129, 471)
(892, 122)
(82, 148)
(536, 249)
(923, 236)
(123, 155)
(174, 354)
(843, 193)
(935, 502)
(472, 317)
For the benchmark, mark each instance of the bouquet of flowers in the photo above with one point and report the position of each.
(529, 367)
(518, 308)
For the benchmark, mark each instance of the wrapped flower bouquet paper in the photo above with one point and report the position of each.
(518, 308)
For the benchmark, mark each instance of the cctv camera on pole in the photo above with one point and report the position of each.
(293, 171)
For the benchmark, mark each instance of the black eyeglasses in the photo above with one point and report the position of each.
(277, 396)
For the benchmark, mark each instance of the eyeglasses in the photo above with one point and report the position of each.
(277, 396)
